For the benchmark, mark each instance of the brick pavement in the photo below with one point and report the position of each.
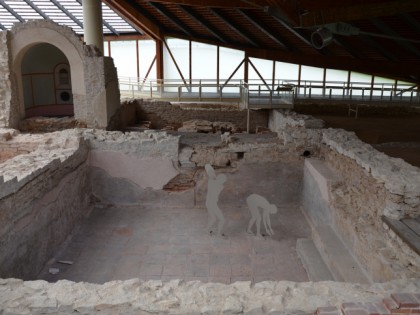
(120, 243)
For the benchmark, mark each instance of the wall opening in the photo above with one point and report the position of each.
(46, 81)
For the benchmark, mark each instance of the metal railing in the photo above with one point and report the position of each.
(267, 94)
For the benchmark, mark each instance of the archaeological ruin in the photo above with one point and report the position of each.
(104, 199)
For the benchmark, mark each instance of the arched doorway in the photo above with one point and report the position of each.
(46, 82)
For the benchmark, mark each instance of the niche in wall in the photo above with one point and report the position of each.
(46, 81)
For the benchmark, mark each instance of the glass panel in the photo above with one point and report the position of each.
(180, 51)
(124, 55)
(336, 80)
(264, 67)
(204, 61)
(147, 53)
(359, 82)
(287, 71)
(229, 61)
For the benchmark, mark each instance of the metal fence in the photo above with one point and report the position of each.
(268, 94)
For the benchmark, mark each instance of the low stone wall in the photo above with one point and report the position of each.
(43, 195)
(162, 114)
(179, 297)
(371, 185)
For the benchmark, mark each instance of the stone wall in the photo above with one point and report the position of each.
(374, 185)
(94, 78)
(187, 298)
(162, 114)
(43, 195)
(367, 185)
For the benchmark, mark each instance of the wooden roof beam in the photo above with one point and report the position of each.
(210, 3)
(162, 10)
(265, 30)
(202, 22)
(136, 18)
(235, 28)
(350, 12)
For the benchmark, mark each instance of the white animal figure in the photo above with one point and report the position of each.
(215, 186)
(255, 203)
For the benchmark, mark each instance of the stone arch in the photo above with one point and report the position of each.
(27, 35)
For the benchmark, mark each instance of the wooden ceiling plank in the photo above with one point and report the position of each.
(235, 28)
(389, 31)
(136, 18)
(202, 22)
(412, 22)
(378, 47)
(162, 10)
(263, 29)
(356, 12)
(210, 3)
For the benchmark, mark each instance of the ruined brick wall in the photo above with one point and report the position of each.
(164, 113)
(372, 185)
(43, 196)
(375, 185)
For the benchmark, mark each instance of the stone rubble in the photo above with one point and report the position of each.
(178, 297)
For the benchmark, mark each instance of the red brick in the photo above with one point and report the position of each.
(356, 312)
(405, 300)
(390, 305)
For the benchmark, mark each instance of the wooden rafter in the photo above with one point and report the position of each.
(171, 17)
(349, 12)
(265, 30)
(234, 27)
(187, 10)
(136, 18)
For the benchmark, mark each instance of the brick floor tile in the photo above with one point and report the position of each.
(199, 259)
(150, 270)
(201, 248)
(405, 300)
(197, 270)
(154, 259)
(180, 249)
(220, 259)
(179, 239)
(390, 305)
(240, 259)
(220, 270)
(262, 259)
(240, 270)
(176, 259)
(174, 270)
(356, 312)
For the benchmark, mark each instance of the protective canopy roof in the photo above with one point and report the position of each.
(64, 12)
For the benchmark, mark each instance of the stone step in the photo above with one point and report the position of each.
(312, 261)
(339, 260)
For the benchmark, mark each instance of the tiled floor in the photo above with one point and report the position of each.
(120, 243)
